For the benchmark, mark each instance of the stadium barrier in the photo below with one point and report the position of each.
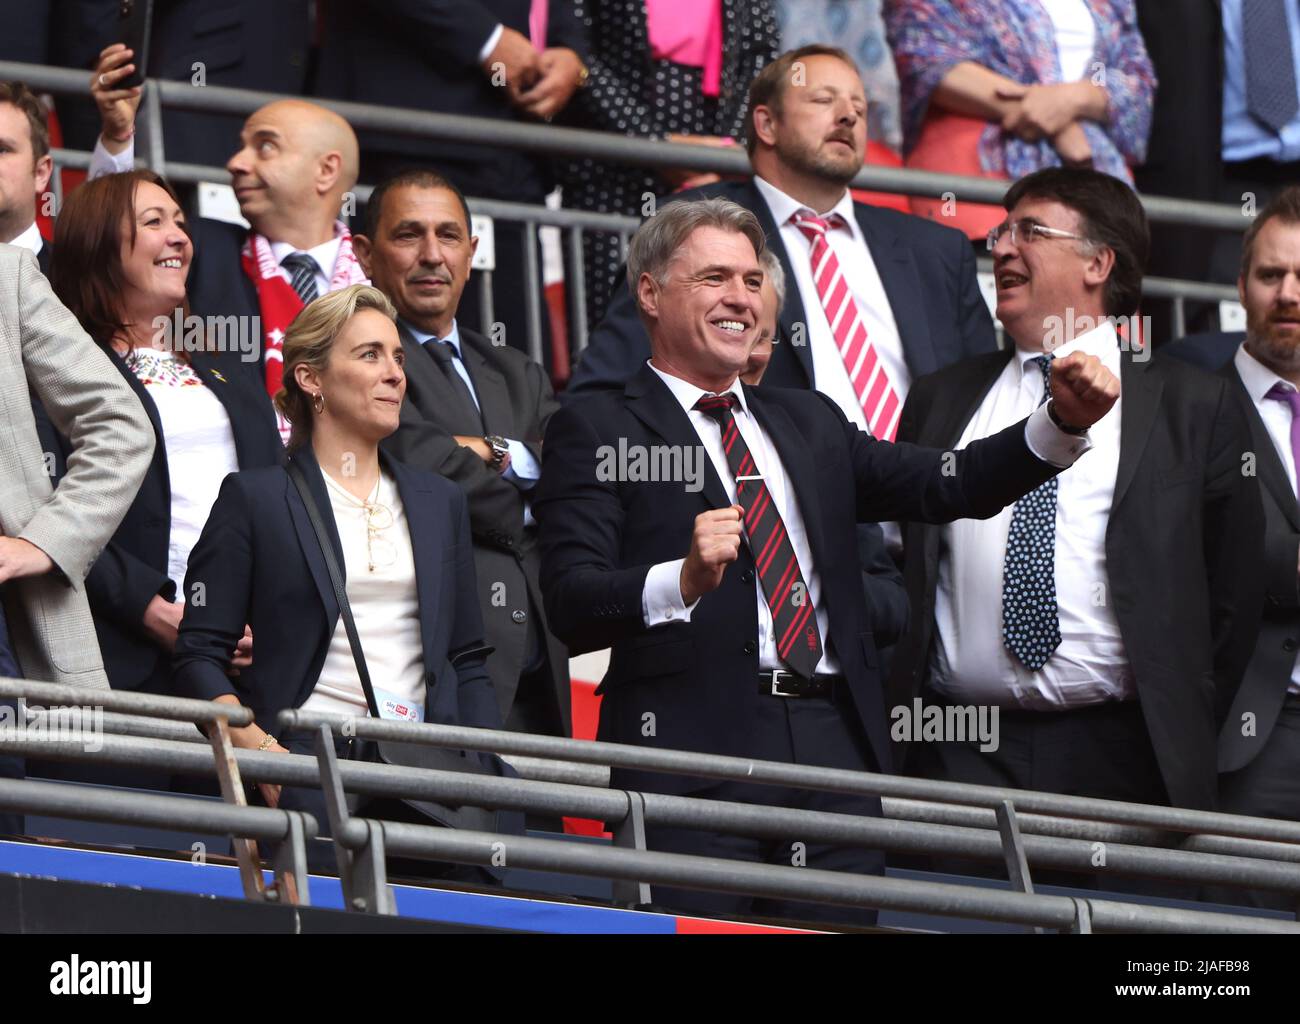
(363, 843)
(554, 141)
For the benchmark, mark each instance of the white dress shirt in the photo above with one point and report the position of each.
(385, 604)
(324, 255)
(830, 376)
(661, 597)
(30, 239)
(972, 664)
(1076, 36)
(1259, 379)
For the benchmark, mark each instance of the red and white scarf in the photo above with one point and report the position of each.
(279, 303)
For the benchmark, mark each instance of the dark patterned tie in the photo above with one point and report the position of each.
(798, 642)
(443, 355)
(1031, 625)
(302, 273)
(1270, 62)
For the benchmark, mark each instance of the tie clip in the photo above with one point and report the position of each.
(758, 476)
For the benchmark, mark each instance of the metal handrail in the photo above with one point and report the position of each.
(177, 709)
(683, 762)
(552, 140)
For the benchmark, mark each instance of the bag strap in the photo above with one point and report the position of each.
(336, 579)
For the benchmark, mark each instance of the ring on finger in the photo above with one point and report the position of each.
(102, 82)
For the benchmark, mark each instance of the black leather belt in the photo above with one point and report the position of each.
(779, 683)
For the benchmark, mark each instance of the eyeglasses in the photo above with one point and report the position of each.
(1026, 232)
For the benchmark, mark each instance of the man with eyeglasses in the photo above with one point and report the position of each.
(1108, 615)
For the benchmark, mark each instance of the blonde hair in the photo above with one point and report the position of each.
(309, 340)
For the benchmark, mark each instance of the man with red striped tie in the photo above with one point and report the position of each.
(705, 531)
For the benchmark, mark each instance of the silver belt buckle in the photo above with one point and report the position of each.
(777, 676)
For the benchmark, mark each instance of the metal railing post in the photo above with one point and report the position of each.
(533, 295)
(577, 289)
(629, 834)
(232, 791)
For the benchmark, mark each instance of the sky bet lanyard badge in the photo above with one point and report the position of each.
(395, 709)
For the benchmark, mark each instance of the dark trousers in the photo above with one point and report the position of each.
(806, 731)
(1102, 751)
(1267, 787)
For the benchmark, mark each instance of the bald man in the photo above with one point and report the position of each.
(296, 164)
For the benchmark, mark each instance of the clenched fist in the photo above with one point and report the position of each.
(715, 544)
(1083, 390)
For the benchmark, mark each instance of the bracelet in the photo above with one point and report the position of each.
(124, 139)
(583, 74)
(1051, 415)
(267, 740)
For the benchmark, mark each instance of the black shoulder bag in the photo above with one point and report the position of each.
(407, 755)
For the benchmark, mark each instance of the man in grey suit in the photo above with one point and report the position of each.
(50, 538)
(475, 412)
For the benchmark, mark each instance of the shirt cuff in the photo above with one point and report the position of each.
(524, 470)
(491, 43)
(103, 162)
(661, 598)
(1052, 444)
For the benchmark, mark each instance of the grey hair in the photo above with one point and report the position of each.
(656, 242)
(776, 275)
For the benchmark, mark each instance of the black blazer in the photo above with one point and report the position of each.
(1182, 550)
(1210, 351)
(132, 569)
(424, 54)
(45, 256)
(700, 679)
(262, 566)
(1263, 688)
(928, 271)
(218, 285)
(516, 402)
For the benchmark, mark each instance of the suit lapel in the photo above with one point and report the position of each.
(898, 274)
(433, 394)
(653, 404)
(489, 386)
(801, 479)
(1270, 467)
(1141, 392)
(305, 458)
(426, 544)
(950, 422)
(793, 311)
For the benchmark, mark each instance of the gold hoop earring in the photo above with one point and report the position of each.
(318, 402)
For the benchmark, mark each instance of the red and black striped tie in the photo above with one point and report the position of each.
(798, 643)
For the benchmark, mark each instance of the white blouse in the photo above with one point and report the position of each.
(1076, 36)
(380, 568)
(199, 446)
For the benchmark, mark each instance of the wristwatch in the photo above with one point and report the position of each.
(1051, 414)
(499, 449)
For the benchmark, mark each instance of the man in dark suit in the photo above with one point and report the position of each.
(25, 168)
(1259, 747)
(474, 412)
(1108, 617)
(697, 527)
(913, 281)
(493, 59)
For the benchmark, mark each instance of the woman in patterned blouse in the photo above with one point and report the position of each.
(121, 259)
(1000, 88)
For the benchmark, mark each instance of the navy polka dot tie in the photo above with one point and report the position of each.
(1031, 626)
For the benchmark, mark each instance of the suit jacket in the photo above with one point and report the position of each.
(517, 403)
(262, 565)
(45, 353)
(44, 257)
(133, 567)
(1211, 351)
(424, 54)
(241, 44)
(698, 680)
(1267, 676)
(1182, 550)
(929, 276)
(218, 285)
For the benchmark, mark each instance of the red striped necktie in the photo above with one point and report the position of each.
(871, 384)
(798, 642)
